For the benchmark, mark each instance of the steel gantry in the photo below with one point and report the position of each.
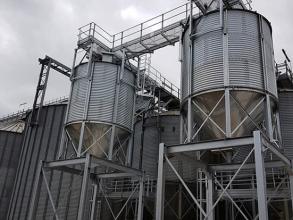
(218, 190)
(47, 64)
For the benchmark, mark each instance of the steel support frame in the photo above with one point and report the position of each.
(260, 145)
(88, 162)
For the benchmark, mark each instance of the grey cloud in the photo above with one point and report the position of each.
(50, 27)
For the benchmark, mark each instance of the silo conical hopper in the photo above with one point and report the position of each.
(236, 57)
(92, 103)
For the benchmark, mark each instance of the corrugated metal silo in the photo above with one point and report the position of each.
(238, 56)
(93, 102)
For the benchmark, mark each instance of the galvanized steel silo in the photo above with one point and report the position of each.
(233, 53)
(101, 98)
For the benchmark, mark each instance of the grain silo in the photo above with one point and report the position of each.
(102, 100)
(123, 148)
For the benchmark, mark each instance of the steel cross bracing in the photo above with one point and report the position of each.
(47, 63)
(122, 182)
(261, 181)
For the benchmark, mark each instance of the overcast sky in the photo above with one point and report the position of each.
(30, 29)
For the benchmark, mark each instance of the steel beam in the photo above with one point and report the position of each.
(186, 187)
(94, 199)
(225, 167)
(49, 194)
(276, 152)
(68, 162)
(160, 198)
(209, 198)
(115, 175)
(260, 177)
(113, 165)
(212, 145)
(291, 189)
(84, 187)
(140, 199)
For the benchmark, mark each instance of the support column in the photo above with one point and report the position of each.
(94, 199)
(269, 122)
(190, 62)
(260, 177)
(84, 187)
(140, 199)
(180, 202)
(291, 189)
(209, 197)
(160, 197)
(63, 135)
(80, 143)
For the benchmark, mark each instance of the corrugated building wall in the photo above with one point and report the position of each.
(286, 120)
(10, 149)
(42, 143)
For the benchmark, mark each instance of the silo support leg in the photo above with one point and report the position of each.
(140, 200)
(83, 187)
(160, 197)
(209, 198)
(291, 190)
(260, 177)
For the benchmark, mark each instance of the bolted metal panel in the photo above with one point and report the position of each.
(208, 62)
(78, 96)
(245, 69)
(42, 143)
(99, 107)
(10, 149)
(208, 54)
(237, 57)
(244, 52)
(125, 102)
(102, 92)
(286, 121)
(269, 57)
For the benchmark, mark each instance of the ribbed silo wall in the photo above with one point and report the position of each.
(237, 56)
(153, 131)
(41, 142)
(286, 121)
(101, 98)
(156, 130)
(10, 149)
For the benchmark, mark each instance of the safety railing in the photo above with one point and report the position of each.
(25, 110)
(284, 69)
(135, 32)
(129, 185)
(150, 26)
(247, 179)
(161, 81)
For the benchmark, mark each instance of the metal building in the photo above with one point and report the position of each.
(10, 149)
(42, 143)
